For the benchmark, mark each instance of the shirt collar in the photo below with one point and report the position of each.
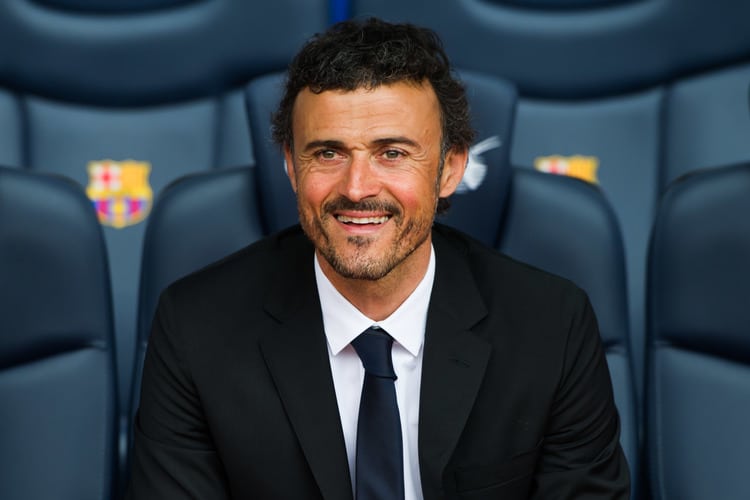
(343, 322)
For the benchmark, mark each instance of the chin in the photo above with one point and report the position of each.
(370, 271)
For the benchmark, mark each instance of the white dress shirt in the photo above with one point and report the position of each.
(343, 323)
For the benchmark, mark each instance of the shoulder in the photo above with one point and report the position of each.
(247, 273)
(521, 306)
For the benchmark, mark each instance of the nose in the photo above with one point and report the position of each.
(360, 180)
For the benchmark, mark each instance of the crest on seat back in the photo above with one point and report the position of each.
(578, 166)
(120, 191)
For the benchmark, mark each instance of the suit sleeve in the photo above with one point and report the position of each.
(173, 454)
(581, 455)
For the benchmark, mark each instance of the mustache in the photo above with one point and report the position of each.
(366, 205)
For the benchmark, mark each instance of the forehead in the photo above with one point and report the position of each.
(402, 108)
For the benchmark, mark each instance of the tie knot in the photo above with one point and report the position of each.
(373, 347)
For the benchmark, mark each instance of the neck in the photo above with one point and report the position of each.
(378, 299)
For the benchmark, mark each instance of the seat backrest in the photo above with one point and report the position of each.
(126, 96)
(478, 206)
(58, 418)
(699, 338)
(707, 121)
(276, 198)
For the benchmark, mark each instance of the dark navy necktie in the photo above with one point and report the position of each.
(380, 457)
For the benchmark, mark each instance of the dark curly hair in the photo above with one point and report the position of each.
(367, 54)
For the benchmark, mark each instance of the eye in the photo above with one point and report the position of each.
(392, 154)
(326, 154)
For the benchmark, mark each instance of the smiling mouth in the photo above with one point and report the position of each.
(346, 219)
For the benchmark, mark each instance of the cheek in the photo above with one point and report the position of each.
(314, 190)
(414, 198)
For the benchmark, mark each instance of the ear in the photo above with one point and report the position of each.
(453, 171)
(289, 165)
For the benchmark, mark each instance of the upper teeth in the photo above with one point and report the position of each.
(362, 220)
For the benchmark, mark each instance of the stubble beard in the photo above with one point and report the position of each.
(356, 261)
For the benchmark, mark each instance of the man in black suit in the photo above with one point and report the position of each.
(256, 382)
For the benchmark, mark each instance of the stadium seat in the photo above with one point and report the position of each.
(275, 196)
(58, 410)
(698, 383)
(527, 214)
(126, 96)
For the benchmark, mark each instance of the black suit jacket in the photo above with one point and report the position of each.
(238, 398)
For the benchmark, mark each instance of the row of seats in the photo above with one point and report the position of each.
(135, 95)
(527, 214)
(57, 384)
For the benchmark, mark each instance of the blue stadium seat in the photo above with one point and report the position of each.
(698, 383)
(527, 214)
(275, 196)
(58, 404)
(126, 96)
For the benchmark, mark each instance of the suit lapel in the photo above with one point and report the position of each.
(454, 362)
(297, 357)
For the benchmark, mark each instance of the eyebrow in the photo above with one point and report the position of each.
(330, 144)
(333, 144)
(395, 140)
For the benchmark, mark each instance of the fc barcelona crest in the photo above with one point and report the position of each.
(120, 191)
(578, 166)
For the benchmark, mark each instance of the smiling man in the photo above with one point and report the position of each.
(368, 171)
(370, 353)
